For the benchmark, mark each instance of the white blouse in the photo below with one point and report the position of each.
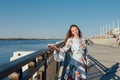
(78, 47)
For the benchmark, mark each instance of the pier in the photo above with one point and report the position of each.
(104, 65)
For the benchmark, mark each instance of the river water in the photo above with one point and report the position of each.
(7, 47)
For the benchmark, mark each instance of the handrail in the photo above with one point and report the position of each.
(16, 65)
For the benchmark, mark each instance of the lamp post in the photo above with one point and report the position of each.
(118, 23)
(109, 30)
(106, 32)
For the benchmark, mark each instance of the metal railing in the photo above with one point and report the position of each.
(41, 66)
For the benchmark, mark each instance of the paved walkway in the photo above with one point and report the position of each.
(105, 63)
(94, 73)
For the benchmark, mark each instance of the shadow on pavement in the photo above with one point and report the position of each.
(109, 72)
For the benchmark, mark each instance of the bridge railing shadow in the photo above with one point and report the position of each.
(109, 73)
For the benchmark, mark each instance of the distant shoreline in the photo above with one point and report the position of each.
(29, 39)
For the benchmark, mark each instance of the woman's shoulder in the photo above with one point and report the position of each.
(69, 39)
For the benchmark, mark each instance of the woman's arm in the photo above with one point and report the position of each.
(64, 48)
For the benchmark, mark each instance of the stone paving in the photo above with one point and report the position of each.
(107, 60)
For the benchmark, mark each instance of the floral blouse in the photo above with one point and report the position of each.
(78, 49)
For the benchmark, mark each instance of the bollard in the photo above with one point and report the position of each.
(13, 76)
(31, 65)
(40, 72)
(40, 59)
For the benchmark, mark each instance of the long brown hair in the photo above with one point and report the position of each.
(69, 34)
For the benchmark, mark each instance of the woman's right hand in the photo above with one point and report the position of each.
(51, 45)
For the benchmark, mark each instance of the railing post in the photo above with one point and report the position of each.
(40, 72)
(45, 66)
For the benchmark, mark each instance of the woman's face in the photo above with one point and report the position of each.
(74, 31)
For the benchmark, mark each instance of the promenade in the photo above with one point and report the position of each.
(104, 63)
(105, 60)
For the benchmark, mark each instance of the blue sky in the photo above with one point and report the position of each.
(52, 18)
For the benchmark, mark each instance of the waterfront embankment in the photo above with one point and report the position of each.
(109, 41)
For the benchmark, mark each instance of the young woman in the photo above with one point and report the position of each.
(76, 69)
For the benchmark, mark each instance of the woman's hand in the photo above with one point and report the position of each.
(53, 47)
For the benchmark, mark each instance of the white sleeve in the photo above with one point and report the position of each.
(67, 46)
(59, 56)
